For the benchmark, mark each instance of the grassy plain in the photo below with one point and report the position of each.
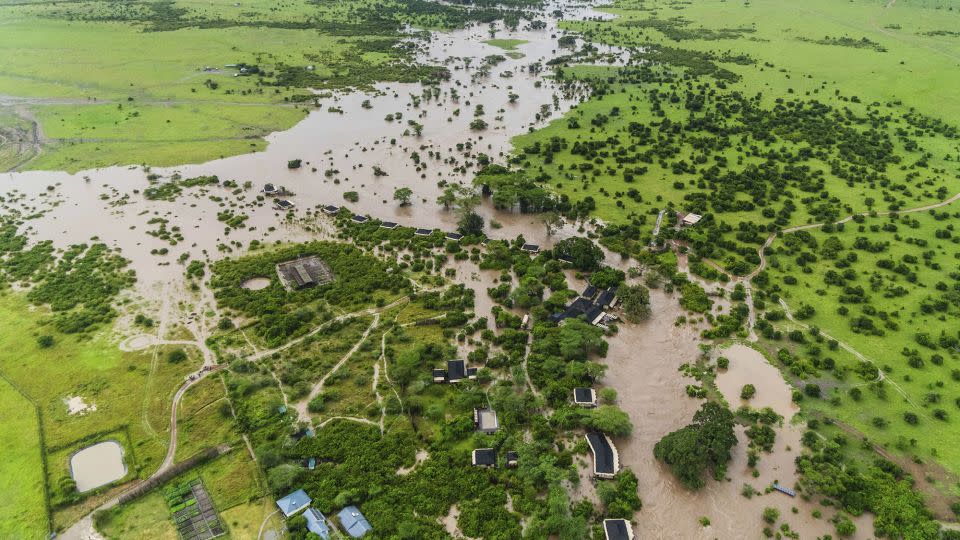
(21, 470)
(131, 391)
(505, 43)
(915, 297)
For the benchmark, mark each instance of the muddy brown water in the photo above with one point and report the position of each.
(643, 367)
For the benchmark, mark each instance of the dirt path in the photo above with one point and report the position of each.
(302, 413)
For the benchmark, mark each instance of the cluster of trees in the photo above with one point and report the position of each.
(702, 445)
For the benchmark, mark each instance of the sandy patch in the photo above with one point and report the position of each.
(76, 405)
(256, 284)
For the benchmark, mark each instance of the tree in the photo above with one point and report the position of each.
(45, 341)
(478, 124)
(635, 301)
(704, 443)
(771, 515)
(176, 356)
(403, 195)
(748, 391)
(609, 419)
(471, 224)
(551, 221)
(585, 255)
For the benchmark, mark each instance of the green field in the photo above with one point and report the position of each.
(21, 470)
(132, 393)
(506, 44)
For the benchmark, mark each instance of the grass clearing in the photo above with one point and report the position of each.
(506, 44)
(21, 470)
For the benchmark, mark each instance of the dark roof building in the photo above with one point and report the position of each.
(388, 225)
(439, 376)
(606, 298)
(283, 204)
(304, 272)
(330, 209)
(423, 232)
(360, 219)
(585, 397)
(606, 461)
(485, 457)
(617, 529)
(513, 458)
(589, 292)
(269, 189)
(454, 236)
(530, 248)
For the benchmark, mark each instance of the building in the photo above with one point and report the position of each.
(456, 371)
(283, 204)
(688, 220)
(304, 272)
(357, 218)
(484, 457)
(513, 458)
(607, 298)
(353, 522)
(388, 225)
(423, 232)
(317, 523)
(330, 209)
(294, 502)
(617, 529)
(530, 248)
(485, 420)
(590, 292)
(606, 461)
(270, 189)
(585, 397)
(456, 237)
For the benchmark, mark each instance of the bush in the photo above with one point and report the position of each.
(771, 515)
(45, 342)
(176, 356)
(748, 391)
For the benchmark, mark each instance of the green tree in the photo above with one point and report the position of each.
(585, 255)
(635, 302)
(403, 195)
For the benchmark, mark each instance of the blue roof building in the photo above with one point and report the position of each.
(294, 502)
(353, 522)
(317, 523)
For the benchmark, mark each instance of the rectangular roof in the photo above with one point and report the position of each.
(353, 522)
(617, 529)
(456, 370)
(605, 459)
(388, 225)
(423, 232)
(486, 420)
(454, 236)
(294, 502)
(606, 298)
(317, 523)
(589, 292)
(584, 395)
(360, 219)
(484, 456)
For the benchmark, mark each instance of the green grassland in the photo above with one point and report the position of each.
(21, 470)
(154, 78)
(132, 393)
(771, 114)
(204, 419)
(888, 287)
(506, 44)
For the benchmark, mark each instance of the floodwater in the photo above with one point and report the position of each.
(339, 152)
(643, 362)
(97, 465)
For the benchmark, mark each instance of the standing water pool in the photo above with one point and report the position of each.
(97, 465)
